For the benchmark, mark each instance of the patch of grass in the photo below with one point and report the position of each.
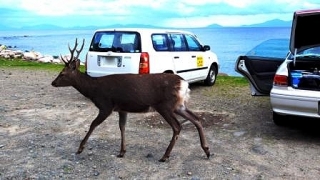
(32, 65)
(228, 86)
(230, 81)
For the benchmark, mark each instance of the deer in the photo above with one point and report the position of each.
(165, 93)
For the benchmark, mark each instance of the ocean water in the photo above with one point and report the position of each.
(227, 43)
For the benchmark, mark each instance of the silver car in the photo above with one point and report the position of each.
(291, 79)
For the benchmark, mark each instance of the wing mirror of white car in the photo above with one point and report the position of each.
(206, 47)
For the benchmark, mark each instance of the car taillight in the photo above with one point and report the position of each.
(280, 80)
(144, 67)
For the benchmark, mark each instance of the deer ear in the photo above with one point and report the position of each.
(77, 63)
(73, 65)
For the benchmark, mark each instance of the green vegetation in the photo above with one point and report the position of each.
(32, 65)
(228, 86)
(230, 81)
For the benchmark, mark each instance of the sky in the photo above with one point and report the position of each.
(162, 13)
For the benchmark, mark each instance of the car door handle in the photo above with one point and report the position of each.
(176, 57)
(193, 56)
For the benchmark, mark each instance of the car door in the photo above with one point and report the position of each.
(260, 64)
(259, 71)
(198, 57)
(181, 57)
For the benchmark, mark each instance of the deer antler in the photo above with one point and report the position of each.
(72, 50)
(72, 58)
(79, 51)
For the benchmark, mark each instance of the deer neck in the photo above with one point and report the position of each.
(84, 83)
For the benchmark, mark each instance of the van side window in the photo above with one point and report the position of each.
(159, 42)
(193, 43)
(178, 42)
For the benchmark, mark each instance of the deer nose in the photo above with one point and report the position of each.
(54, 84)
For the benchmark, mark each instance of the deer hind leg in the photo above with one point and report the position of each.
(189, 115)
(122, 124)
(98, 120)
(169, 116)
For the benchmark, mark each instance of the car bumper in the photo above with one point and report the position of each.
(295, 104)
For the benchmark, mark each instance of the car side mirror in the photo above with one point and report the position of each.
(206, 48)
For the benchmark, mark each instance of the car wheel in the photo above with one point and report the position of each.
(279, 120)
(212, 76)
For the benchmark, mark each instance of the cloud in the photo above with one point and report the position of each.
(178, 13)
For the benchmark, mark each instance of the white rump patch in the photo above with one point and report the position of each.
(184, 92)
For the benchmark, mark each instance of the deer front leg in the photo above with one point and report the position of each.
(176, 127)
(122, 126)
(98, 120)
(187, 114)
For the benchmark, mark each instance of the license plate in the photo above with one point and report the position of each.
(109, 61)
(199, 61)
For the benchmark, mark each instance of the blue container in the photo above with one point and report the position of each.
(296, 76)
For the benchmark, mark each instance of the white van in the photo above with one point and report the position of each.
(141, 51)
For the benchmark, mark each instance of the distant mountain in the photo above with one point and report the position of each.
(214, 26)
(42, 27)
(131, 26)
(272, 23)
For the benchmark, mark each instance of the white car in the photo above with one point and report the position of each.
(293, 82)
(140, 51)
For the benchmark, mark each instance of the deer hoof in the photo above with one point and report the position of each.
(163, 159)
(207, 151)
(122, 152)
(120, 156)
(79, 150)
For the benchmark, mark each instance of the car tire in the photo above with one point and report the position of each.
(279, 120)
(212, 76)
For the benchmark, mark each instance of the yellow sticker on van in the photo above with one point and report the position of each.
(199, 61)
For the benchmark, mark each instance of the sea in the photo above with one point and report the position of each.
(227, 42)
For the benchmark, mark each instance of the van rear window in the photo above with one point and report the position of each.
(116, 41)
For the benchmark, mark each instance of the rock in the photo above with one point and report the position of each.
(56, 60)
(46, 59)
(259, 150)
(239, 133)
(32, 55)
(3, 47)
(149, 155)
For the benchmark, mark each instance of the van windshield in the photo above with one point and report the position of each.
(116, 41)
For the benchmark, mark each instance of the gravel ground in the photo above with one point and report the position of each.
(41, 128)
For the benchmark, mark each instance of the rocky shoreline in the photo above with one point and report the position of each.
(11, 53)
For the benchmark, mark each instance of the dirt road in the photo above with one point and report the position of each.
(41, 128)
